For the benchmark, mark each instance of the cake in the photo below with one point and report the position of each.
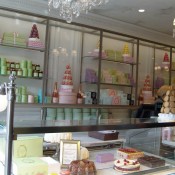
(34, 40)
(151, 161)
(104, 135)
(129, 153)
(125, 165)
(168, 107)
(56, 137)
(82, 167)
(66, 94)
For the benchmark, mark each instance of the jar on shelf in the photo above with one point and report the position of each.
(19, 72)
(40, 74)
(34, 66)
(8, 71)
(17, 65)
(35, 73)
(13, 71)
(12, 65)
(37, 67)
(8, 64)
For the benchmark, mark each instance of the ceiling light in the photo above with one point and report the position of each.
(141, 10)
(69, 8)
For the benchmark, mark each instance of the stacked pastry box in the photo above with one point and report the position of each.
(28, 157)
(115, 97)
(113, 76)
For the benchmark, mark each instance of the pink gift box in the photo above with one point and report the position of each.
(104, 157)
(67, 97)
(37, 44)
(128, 59)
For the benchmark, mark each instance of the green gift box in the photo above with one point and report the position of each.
(23, 147)
(68, 116)
(29, 166)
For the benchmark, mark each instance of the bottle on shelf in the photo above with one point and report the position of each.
(55, 94)
(79, 97)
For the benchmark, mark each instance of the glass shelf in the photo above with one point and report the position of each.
(51, 105)
(28, 105)
(23, 47)
(111, 84)
(92, 57)
(57, 105)
(85, 82)
(35, 78)
(120, 62)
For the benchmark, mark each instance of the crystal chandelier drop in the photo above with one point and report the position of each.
(70, 8)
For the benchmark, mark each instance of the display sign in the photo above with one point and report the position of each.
(69, 151)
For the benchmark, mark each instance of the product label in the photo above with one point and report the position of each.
(79, 100)
(55, 100)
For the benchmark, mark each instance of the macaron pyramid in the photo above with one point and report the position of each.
(147, 84)
(126, 50)
(67, 78)
(166, 58)
(34, 32)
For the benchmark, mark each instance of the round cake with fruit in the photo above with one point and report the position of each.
(126, 165)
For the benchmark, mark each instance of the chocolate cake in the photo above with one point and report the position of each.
(151, 161)
(104, 135)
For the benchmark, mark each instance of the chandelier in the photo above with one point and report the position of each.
(70, 8)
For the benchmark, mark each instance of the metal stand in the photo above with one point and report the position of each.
(9, 124)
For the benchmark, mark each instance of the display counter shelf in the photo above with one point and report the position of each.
(107, 168)
(53, 126)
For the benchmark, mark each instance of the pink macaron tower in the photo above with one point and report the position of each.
(166, 62)
(66, 94)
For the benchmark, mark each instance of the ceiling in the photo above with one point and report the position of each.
(158, 15)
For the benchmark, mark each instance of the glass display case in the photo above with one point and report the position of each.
(145, 135)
